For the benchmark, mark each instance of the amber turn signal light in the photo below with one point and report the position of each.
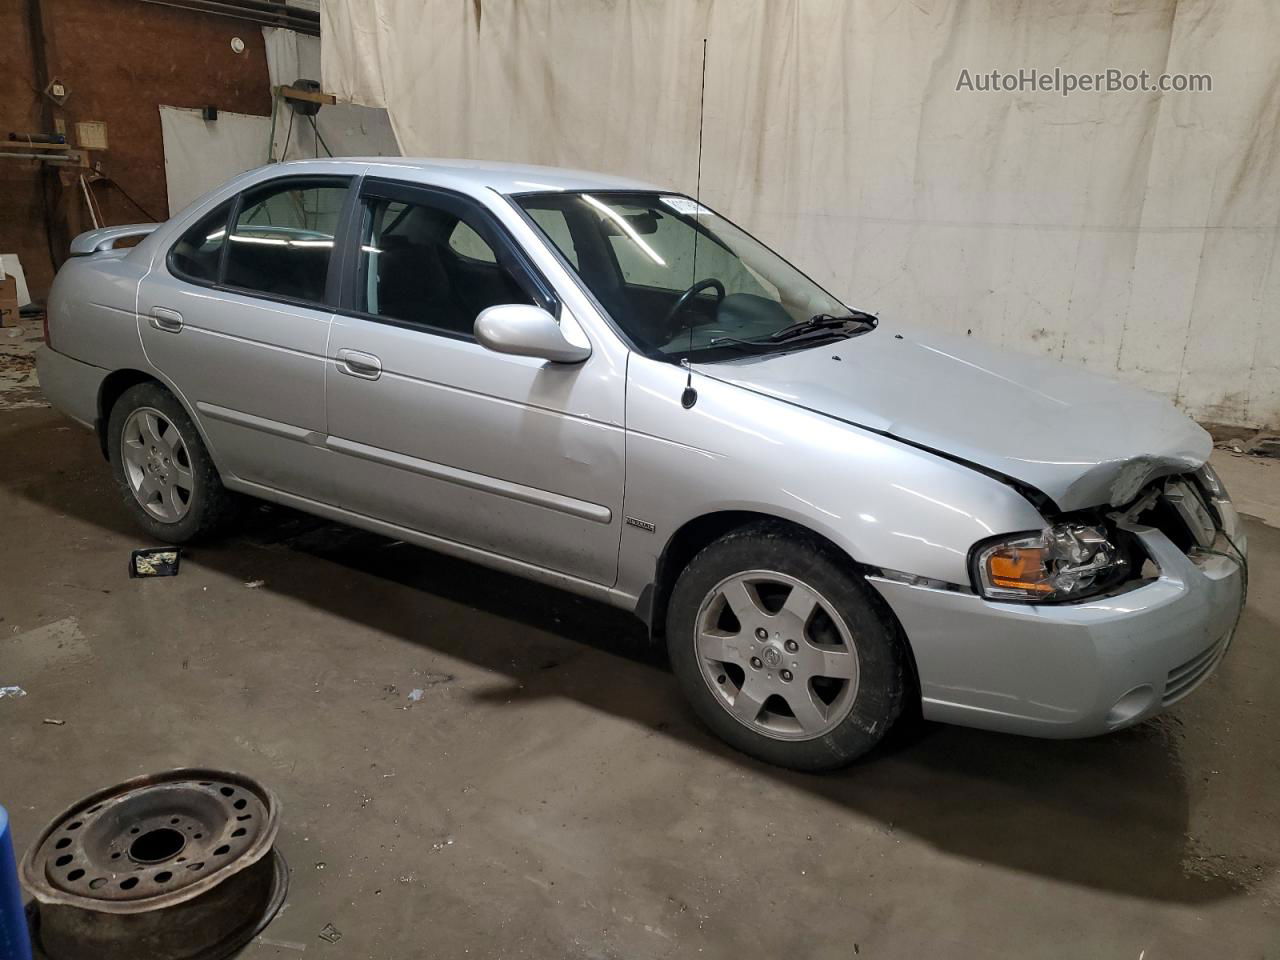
(1066, 561)
(1019, 568)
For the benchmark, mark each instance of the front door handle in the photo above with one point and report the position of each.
(170, 321)
(356, 364)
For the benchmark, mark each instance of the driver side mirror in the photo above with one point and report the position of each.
(527, 331)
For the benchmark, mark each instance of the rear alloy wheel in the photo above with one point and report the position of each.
(164, 472)
(783, 651)
(157, 466)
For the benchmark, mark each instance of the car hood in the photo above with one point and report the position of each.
(1079, 438)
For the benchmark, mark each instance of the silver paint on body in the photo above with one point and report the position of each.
(904, 453)
(97, 241)
(528, 331)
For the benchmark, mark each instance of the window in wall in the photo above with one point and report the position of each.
(423, 264)
(195, 256)
(283, 238)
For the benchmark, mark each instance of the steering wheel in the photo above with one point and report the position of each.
(711, 283)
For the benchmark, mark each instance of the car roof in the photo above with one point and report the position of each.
(504, 178)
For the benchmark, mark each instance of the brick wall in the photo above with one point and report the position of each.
(120, 59)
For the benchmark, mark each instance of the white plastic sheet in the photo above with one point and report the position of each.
(1135, 233)
(202, 154)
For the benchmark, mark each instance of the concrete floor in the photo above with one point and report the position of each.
(549, 795)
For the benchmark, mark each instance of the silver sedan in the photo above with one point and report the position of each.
(829, 517)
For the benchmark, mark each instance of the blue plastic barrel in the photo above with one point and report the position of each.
(15, 943)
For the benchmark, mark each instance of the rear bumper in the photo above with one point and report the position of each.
(1071, 671)
(70, 385)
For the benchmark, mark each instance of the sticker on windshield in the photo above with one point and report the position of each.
(686, 207)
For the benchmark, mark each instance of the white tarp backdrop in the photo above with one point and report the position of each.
(1135, 233)
(202, 154)
(347, 129)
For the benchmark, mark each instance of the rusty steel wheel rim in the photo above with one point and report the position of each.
(182, 860)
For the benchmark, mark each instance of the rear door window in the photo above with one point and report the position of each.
(283, 236)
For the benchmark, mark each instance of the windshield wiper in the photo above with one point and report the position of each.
(819, 321)
(735, 342)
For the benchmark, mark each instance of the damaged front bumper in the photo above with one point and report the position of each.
(1074, 670)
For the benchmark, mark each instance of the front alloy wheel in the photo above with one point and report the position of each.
(777, 655)
(784, 650)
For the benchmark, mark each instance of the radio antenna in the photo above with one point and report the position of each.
(690, 396)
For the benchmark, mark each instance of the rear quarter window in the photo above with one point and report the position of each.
(196, 254)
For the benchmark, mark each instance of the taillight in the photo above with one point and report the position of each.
(45, 329)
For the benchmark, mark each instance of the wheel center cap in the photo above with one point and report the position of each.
(772, 656)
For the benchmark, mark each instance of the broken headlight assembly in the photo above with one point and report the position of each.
(1212, 483)
(1062, 562)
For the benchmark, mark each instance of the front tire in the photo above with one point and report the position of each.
(165, 475)
(782, 650)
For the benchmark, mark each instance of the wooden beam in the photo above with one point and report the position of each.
(295, 93)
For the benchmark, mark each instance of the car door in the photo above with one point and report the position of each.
(511, 455)
(236, 319)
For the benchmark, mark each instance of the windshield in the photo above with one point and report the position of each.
(636, 253)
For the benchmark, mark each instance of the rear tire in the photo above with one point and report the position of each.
(165, 474)
(783, 651)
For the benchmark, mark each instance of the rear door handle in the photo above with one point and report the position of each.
(170, 321)
(356, 364)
